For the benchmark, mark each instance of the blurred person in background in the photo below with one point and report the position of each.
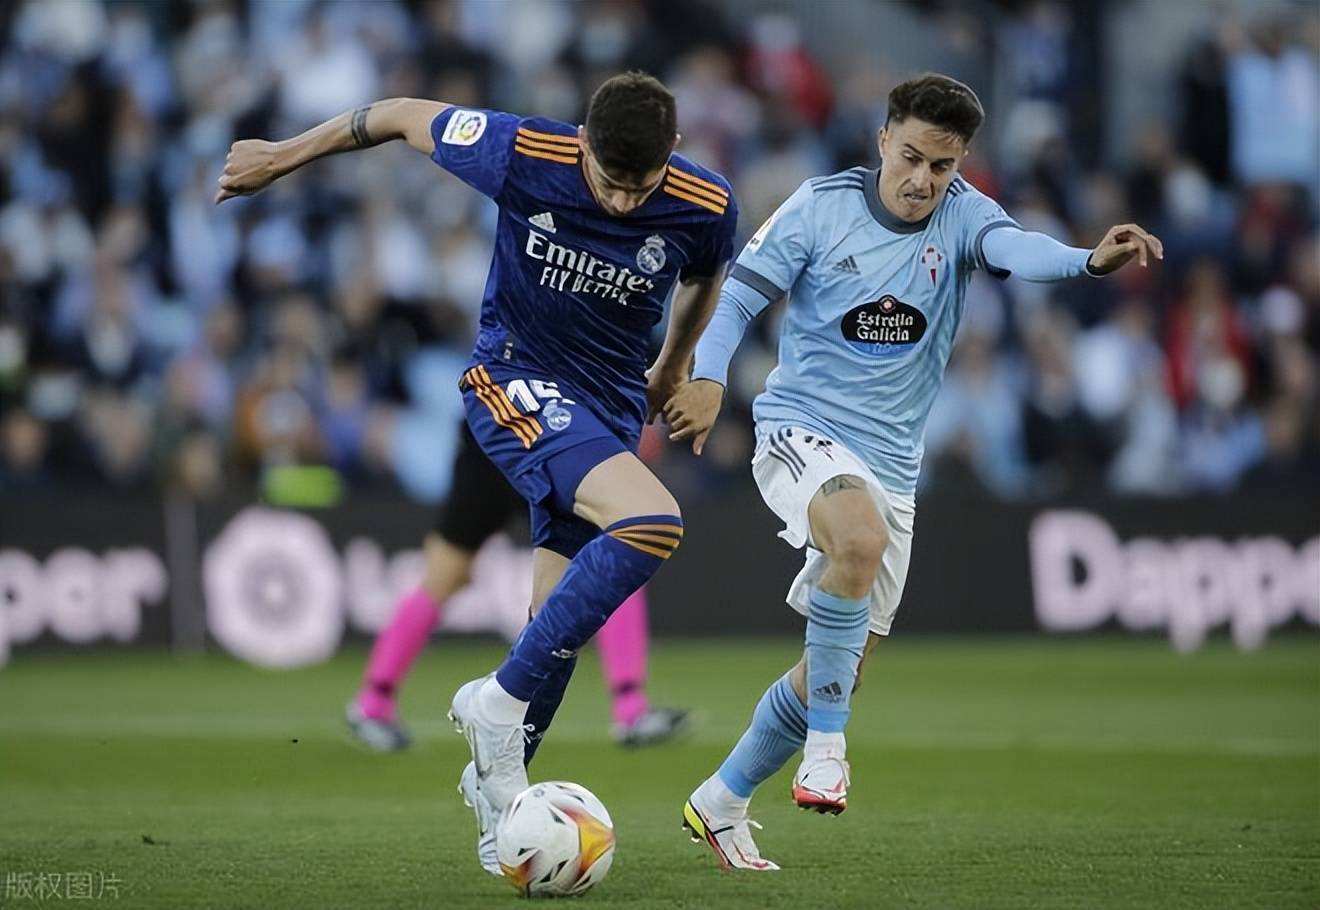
(23, 444)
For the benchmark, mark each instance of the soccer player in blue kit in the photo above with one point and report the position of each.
(597, 225)
(875, 264)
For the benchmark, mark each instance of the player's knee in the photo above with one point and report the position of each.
(662, 502)
(860, 551)
(639, 503)
(656, 534)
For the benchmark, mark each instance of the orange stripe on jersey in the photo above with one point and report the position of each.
(704, 203)
(547, 146)
(698, 183)
(531, 423)
(533, 153)
(547, 137)
(708, 196)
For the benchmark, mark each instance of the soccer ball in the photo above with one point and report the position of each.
(555, 839)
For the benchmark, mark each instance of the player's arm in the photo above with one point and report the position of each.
(1007, 249)
(767, 267)
(694, 302)
(253, 164)
(692, 411)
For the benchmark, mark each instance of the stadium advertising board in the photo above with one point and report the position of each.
(281, 588)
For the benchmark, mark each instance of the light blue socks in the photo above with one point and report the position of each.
(836, 638)
(778, 729)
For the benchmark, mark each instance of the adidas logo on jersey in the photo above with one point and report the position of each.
(545, 221)
(848, 265)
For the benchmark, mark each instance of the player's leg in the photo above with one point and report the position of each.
(373, 713)
(480, 503)
(847, 527)
(797, 676)
(547, 567)
(623, 643)
(573, 465)
(792, 468)
(642, 528)
(716, 812)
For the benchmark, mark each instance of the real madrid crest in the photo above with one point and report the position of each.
(651, 257)
(556, 416)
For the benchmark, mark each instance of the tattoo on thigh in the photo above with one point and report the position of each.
(359, 127)
(842, 482)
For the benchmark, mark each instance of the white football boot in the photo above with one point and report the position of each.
(821, 784)
(729, 836)
(475, 800)
(497, 749)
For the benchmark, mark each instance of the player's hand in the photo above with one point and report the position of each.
(1120, 245)
(662, 381)
(250, 167)
(692, 411)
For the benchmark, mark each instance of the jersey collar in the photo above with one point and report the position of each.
(888, 220)
(586, 185)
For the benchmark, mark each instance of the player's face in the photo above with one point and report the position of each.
(918, 162)
(617, 195)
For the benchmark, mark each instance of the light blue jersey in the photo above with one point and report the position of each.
(874, 305)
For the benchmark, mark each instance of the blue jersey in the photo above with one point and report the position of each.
(572, 291)
(874, 305)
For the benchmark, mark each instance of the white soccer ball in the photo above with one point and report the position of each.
(555, 839)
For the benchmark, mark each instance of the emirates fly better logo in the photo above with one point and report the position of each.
(576, 271)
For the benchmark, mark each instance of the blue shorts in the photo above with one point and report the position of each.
(544, 443)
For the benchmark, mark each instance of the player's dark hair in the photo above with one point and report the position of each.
(940, 101)
(631, 124)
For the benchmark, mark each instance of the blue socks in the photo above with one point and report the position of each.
(777, 731)
(599, 578)
(836, 638)
(545, 704)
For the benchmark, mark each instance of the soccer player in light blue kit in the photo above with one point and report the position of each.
(876, 266)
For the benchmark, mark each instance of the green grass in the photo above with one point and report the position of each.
(1019, 773)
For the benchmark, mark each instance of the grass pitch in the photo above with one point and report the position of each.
(1010, 773)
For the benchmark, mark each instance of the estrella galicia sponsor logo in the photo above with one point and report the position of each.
(556, 416)
(887, 327)
(651, 257)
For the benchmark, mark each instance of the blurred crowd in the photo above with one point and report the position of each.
(149, 338)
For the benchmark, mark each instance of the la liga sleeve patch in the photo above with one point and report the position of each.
(464, 128)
